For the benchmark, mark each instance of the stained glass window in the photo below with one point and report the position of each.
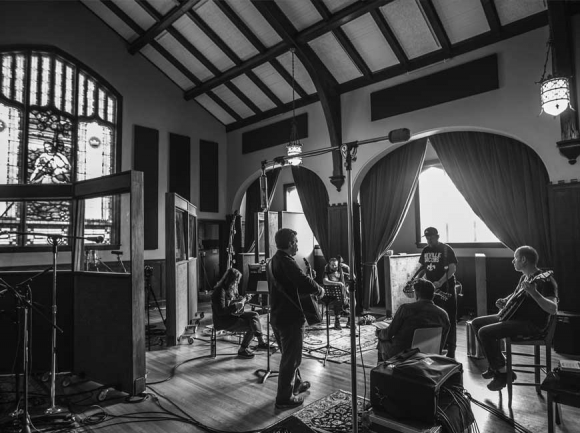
(58, 125)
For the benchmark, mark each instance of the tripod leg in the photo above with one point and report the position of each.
(150, 290)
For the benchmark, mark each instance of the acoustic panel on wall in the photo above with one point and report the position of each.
(469, 79)
(208, 176)
(273, 134)
(146, 159)
(180, 165)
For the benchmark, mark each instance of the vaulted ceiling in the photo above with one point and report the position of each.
(234, 57)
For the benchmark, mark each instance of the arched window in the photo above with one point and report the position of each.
(442, 206)
(58, 125)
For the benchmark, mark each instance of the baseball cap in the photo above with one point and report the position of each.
(430, 231)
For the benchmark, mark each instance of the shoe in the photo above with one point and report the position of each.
(294, 401)
(245, 353)
(500, 381)
(488, 374)
(302, 387)
(264, 346)
(337, 326)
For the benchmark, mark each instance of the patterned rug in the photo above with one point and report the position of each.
(315, 342)
(330, 414)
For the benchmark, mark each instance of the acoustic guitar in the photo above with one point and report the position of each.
(309, 303)
(517, 297)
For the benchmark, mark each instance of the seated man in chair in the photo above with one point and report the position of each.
(525, 313)
(335, 274)
(228, 312)
(420, 314)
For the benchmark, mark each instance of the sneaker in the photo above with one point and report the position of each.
(294, 401)
(245, 353)
(488, 374)
(302, 387)
(337, 326)
(500, 381)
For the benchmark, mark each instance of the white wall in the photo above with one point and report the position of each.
(512, 110)
(149, 98)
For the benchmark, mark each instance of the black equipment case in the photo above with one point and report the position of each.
(408, 385)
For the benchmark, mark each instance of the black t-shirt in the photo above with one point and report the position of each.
(436, 261)
(529, 309)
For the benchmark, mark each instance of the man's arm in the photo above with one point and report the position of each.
(300, 280)
(547, 303)
(448, 274)
(397, 322)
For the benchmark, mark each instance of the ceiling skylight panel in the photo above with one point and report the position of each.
(249, 88)
(203, 43)
(184, 56)
(136, 12)
(111, 19)
(411, 28)
(162, 6)
(368, 40)
(233, 101)
(335, 5)
(301, 13)
(217, 111)
(278, 85)
(255, 21)
(226, 30)
(166, 67)
(514, 10)
(461, 19)
(335, 58)
(301, 75)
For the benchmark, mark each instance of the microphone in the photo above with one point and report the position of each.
(97, 239)
(399, 135)
(33, 277)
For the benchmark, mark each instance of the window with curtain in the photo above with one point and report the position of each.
(58, 125)
(441, 205)
(291, 200)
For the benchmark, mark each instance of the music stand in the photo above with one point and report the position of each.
(332, 292)
(261, 288)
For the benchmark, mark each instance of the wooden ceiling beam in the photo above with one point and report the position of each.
(492, 16)
(178, 65)
(390, 37)
(123, 16)
(325, 83)
(224, 106)
(437, 26)
(242, 96)
(172, 16)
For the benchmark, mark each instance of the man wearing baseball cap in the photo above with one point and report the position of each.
(438, 265)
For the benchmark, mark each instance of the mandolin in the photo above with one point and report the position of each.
(309, 303)
(517, 298)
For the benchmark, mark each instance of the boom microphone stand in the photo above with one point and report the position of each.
(348, 151)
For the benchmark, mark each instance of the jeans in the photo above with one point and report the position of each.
(248, 321)
(490, 331)
(450, 307)
(289, 339)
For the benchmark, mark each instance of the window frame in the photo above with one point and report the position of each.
(286, 187)
(420, 240)
(35, 192)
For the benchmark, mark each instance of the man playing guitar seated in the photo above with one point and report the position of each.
(228, 312)
(335, 275)
(525, 313)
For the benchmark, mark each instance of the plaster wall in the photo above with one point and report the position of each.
(149, 98)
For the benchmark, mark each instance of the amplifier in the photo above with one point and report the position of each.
(567, 330)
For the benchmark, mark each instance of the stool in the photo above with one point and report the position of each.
(537, 342)
(213, 339)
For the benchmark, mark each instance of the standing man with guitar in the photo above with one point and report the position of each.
(526, 312)
(438, 265)
(291, 293)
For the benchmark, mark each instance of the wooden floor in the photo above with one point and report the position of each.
(225, 393)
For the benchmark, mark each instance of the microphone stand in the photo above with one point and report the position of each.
(24, 302)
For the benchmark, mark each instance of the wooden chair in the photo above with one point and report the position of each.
(537, 342)
(427, 340)
(213, 338)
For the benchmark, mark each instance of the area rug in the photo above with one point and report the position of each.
(315, 342)
(330, 414)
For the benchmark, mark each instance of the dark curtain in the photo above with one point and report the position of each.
(385, 196)
(314, 199)
(505, 183)
(253, 205)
